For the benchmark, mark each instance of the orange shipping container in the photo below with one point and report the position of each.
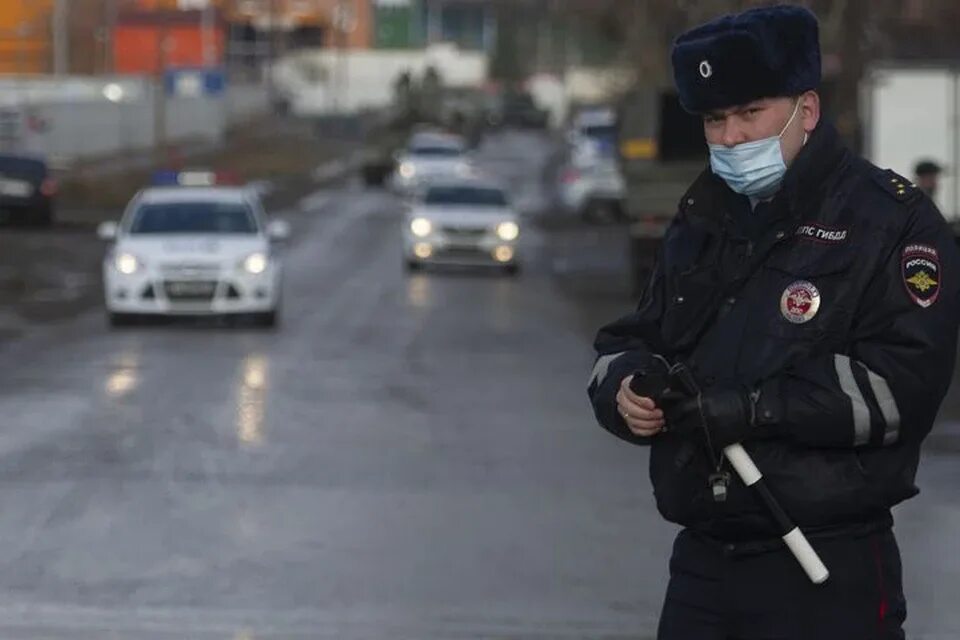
(137, 42)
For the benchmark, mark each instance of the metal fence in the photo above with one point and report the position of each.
(74, 118)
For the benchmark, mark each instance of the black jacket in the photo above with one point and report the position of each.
(850, 392)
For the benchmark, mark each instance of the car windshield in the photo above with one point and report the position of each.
(194, 217)
(601, 132)
(436, 152)
(22, 167)
(472, 196)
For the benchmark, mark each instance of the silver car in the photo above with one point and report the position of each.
(466, 222)
(429, 157)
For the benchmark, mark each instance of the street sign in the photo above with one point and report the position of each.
(195, 82)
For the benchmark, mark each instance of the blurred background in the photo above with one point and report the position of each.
(450, 197)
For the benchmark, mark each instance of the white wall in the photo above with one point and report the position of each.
(320, 81)
(246, 102)
(912, 114)
(72, 118)
(597, 84)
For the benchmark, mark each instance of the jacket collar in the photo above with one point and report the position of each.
(814, 171)
(810, 177)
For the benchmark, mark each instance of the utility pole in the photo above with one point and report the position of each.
(342, 23)
(271, 51)
(207, 35)
(61, 38)
(160, 87)
(110, 56)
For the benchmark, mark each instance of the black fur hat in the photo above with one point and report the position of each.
(735, 59)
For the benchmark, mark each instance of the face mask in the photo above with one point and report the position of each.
(752, 168)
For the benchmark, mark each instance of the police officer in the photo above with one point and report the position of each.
(927, 176)
(813, 297)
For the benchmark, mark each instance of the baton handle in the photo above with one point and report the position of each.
(793, 537)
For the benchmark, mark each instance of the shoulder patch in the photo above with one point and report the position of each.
(920, 268)
(896, 185)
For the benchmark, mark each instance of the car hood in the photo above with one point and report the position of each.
(465, 216)
(437, 166)
(202, 249)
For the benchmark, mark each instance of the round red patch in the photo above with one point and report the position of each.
(800, 302)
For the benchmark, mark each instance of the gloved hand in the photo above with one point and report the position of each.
(652, 381)
(726, 415)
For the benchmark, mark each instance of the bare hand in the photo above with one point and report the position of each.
(641, 414)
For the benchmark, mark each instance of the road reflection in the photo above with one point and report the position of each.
(419, 294)
(252, 389)
(124, 377)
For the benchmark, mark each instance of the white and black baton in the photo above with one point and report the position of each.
(750, 475)
(791, 533)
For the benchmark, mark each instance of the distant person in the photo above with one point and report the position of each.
(814, 302)
(927, 176)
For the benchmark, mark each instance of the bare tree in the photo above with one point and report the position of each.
(853, 34)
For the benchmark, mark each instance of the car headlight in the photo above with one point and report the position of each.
(127, 263)
(508, 231)
(407, 170)
(255, 263)
(421, 227)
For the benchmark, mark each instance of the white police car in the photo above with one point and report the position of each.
(193, 251)
(428, 157)
(462, 222)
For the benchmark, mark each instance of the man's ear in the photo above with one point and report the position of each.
(810, 110)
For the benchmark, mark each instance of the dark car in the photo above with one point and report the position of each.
(518, 109)
(27, 190)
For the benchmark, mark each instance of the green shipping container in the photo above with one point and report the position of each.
(394, 25)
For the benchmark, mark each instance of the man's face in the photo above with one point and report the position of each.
(765, 118)
(928, 183)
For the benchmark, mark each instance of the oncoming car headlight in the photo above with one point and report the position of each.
(127, 263)
(508, 231)
(255, 263)
(407, 170)
(421, 227)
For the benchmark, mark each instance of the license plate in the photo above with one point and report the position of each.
(16, 188)
(190, 288)
(465, 234)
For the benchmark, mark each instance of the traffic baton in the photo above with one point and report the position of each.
(750, 475)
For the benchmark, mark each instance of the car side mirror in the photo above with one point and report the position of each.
(278, 230)
(108, 231)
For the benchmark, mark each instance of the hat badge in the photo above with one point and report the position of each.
(706, 70)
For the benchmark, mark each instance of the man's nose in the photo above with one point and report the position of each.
(732, 134)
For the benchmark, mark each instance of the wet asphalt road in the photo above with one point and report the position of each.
(407, 457)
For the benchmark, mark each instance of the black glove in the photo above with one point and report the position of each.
(721, 416)
(652, 381)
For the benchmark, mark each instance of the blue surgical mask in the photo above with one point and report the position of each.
(755, 168)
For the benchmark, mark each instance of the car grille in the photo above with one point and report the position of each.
(190, 271)
(190, 291)
(465, 234)
(454, 253)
